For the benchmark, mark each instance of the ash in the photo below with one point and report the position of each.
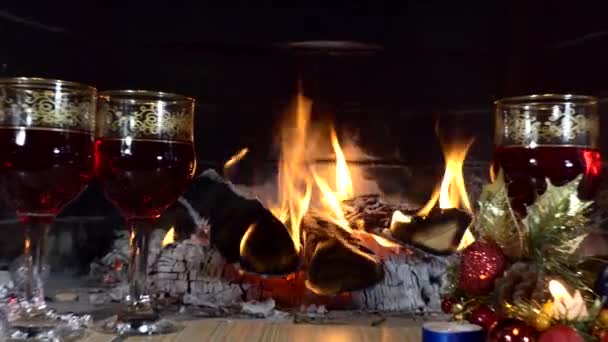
(412, 283)
(194, 274)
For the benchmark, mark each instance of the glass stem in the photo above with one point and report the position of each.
(36, 232)
(138, 265)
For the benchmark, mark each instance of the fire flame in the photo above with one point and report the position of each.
(295, 184)
(169, 237)
(451, 192)
(297, 179)
(245, 238)
(236, 158)
(344, 182)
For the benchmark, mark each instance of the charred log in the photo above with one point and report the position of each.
(231, 215)
(338, 267)
(370, 212)
(440, 232)
(267, 248)
(336, 262)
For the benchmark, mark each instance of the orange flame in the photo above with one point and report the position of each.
(236, 158)
(297, 179)
(295, 184)
(331, 202)
(344, 182)
(451, 192)
(169, 237)
(244, 239)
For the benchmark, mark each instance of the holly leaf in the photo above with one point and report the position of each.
(557, 224)
(496, 221)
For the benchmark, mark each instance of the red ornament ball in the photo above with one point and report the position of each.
(481, 263)
(561, 333)
(512, 330)
(484, 317)
(447, 304)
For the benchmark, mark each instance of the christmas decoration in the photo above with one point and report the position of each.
(447, 305)
(561, 333)
(522, 281)
(602, 318)
(481, 264)
(542, 322)
(512, 330)
(484, 317)
(525, 269)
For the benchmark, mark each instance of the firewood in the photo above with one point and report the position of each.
(338, 267)
(335, 262)
(268, 248)
(232, 214)
(439, 232)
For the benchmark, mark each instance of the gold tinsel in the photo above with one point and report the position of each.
(496, 221)
(557, 223)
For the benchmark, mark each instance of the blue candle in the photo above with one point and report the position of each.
(452, 332)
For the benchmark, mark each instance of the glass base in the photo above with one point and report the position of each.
(123, 325)
(45, 325)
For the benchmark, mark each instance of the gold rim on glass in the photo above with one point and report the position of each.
(145, 95)
(37, 82)
(544, 99)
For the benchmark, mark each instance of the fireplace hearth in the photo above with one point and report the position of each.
(318, 231)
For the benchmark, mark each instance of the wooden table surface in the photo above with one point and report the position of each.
(259, 330)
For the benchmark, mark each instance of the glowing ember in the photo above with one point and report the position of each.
(385, 242)
(245, 238)
(400, 217)
(169, 237)
(236, 158)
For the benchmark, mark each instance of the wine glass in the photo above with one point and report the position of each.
(144, 157)
(549, 136)
(46, 160)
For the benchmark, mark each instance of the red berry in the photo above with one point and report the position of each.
(447, 304)
(484, 317)
(480, 265)
(561, 333)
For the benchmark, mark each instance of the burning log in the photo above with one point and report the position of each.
(439, 232)
(338, 267)
(370, 212)
(335, 261)
(268, 248)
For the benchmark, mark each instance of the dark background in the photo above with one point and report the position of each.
(407, 66)
(417, 61)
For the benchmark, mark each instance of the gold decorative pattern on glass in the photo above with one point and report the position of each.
(169, 117)
(53, 105)
(539, 123)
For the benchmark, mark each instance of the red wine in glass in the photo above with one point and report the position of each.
(143, 177)
(144, 157)
(41, 170)
(526, 170)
